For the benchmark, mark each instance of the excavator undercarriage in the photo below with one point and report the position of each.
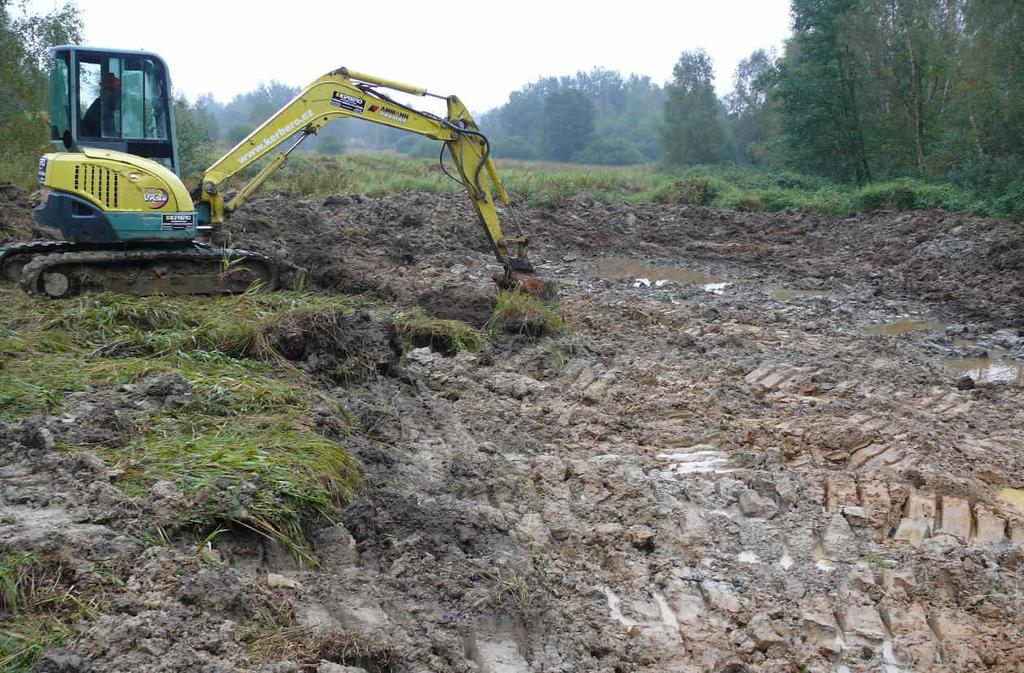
(59, 269)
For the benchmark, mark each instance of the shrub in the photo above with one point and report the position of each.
(520, 313)
(693, 191)
(749, 203)
(1012, 203)
(609, 152)
(426, 148)
(514, 147)
(418, 329)
(886, 196)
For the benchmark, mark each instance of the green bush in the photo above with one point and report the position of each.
(693, 191)
(514, 147)
(1012, 203)
(749, 203)
(886, 196)
(331, 145)
(796, 181)
(426, 148)
(609, 152)
(902, 195)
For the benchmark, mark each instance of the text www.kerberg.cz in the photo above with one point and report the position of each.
(282, 132)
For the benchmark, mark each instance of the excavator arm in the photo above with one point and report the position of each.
(345, 93)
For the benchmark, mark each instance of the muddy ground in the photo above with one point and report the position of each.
(767, 442)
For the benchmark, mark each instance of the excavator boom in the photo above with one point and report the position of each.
(344, 93)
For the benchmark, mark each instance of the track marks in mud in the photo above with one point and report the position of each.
(671, 615)
(895, 638)
(780, 377)
(902, 513)
(842, 634)
(865, 425)
(929, 515)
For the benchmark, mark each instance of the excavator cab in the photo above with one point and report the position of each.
(115, 100)
(113, 174)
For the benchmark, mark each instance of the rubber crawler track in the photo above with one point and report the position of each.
(80, 264)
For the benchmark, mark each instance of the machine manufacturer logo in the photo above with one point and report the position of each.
(391, 113)
(178, 221)
(280, 134)
(42, 170)
(155, 198)
(347, 102)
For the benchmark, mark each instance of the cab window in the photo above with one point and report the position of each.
(121, 98)
(60, 97)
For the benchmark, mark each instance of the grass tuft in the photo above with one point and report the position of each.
(419, 329)
(309, 647)
(519, 313)
(40, 599)
(696, 191)
(268, 474)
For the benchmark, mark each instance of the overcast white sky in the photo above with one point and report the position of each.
(478, 51)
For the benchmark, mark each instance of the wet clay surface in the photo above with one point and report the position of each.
(756, 479)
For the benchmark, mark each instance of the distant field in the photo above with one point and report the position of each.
(546, 184)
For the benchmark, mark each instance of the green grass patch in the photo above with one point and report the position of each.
(696, 191)
(40, 600)
(266, 473)
(155, 325)
(308, 647)
(419, 329)
(519, 313)
(911, 195)
(246, 451)
(542, 184)
(548, 185)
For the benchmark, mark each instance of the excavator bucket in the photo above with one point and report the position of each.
(527, 283)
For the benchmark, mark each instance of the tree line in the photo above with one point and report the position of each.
(25, 43)
(862, 91)
(869, 90)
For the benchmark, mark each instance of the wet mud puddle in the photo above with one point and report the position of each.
(648, 275)
(987, 370)
(998, 366)
(984, 362)
(1014, 497)
(786, 293)
(901, 327)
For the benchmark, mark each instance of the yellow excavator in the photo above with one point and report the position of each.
(120, 219)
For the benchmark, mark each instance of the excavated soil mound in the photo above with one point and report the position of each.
(359, 244)
(16, 223)
(334, 347)
(752, 450)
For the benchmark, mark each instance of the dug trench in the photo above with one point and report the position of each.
(740, 469)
